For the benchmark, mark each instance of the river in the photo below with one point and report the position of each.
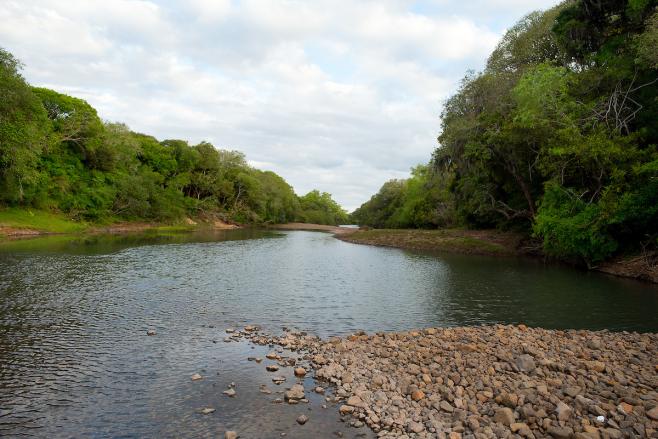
(75, 360)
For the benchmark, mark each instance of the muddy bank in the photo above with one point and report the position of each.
(493, 243)
(486, 382)
(480, 242)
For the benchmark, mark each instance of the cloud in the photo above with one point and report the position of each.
(335, 95)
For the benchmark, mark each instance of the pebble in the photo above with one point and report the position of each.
(272, 367)
(207, 410)
(150, 332)
(485, 382)
(196, 377)
(300, 371)
(231, 435)
(230, 392)
(302, 419)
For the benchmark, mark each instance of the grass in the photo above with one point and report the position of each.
(39, 220)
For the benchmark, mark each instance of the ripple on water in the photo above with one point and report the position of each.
(75, 359)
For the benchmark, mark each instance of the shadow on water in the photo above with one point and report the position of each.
(75, 360)
(108, 243)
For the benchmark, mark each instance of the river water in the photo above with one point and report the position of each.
(75, 360)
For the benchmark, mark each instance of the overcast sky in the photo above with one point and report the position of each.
(332, 95)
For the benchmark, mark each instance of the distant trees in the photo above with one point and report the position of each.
(56, 153)
(320, 208)
(557, 136)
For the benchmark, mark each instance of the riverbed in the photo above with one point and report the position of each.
(76, 361)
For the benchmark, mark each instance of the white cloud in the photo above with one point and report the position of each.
(336, 95)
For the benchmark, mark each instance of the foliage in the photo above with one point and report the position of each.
(320, 208)
(417, 202)
(57, 154)
(556, 136)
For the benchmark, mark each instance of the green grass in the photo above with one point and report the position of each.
(39, 220)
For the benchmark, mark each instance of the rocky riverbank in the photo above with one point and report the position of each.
(482, 382)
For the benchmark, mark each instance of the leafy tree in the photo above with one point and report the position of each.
(24, 134)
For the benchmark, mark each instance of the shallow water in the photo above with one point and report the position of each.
(75, 360)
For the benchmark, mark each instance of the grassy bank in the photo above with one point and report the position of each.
(17, 222)
(481, 242)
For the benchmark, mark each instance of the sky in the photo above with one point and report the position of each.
(334, 95)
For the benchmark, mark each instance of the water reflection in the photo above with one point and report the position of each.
(75, 360)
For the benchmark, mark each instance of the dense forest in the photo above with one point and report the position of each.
(57, 154)
(557, 137)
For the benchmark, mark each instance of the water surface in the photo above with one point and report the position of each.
(75, 360)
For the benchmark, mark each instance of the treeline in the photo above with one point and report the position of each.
(556, 136)
(57, 154)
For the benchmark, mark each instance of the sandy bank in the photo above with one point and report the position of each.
(314, 227)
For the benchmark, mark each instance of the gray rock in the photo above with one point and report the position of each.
(302, 419)
(525, 363)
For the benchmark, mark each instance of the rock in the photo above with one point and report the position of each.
(625, 408)
(278, 379)
(319, 360)
(300, 371)
(446, 407)
(653, 413)
(417, 395)
(264, 389)
(594, 343)
(302, 419)
(415, 427)
(560, 432)
(504, 415)
(296, 392)
(563, 411)
(230, 392)
(525, 363)
(150, 332)
(272, 367)
(231, 435)
(230, 330)
(468, 385)
(251, 328)
(345, 409)
(319, 390)
(272, 356)
(454, 435)
(518, 426)
(509, 400)
(196, 377)
(572, 391)
(207, 410)
(596, 366)
(354, 401)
